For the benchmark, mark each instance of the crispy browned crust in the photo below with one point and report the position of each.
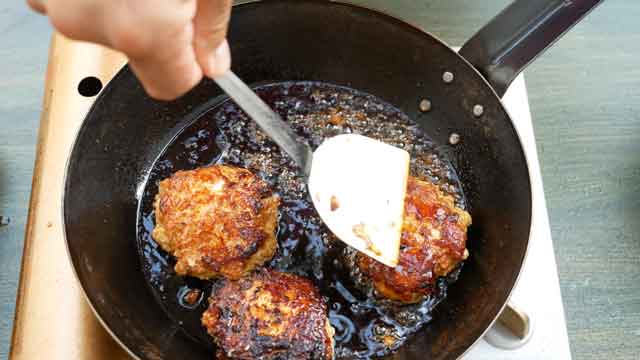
(216, 221)
(434, 235)
(269, 315)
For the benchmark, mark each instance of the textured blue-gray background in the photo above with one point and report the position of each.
(585, 100)
(24, 43)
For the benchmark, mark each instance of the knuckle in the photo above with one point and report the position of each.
(211, 31)
(79, 24)
(170, 91)
(125, 38)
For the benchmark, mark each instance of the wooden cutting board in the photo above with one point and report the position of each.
(53, 319)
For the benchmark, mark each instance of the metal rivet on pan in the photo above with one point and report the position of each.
(454, 138)
(447, 77)
(478, 110)
(425, 105)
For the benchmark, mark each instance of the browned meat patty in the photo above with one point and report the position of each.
(434, 235)
(269, 315)
(217, 221)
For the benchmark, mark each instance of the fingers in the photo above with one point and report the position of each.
(171, 70)
(170, 43)
(157, 36)
(211, 48)
(78, 19)
(141, 27)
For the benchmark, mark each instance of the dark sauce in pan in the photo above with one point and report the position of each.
(365, 326)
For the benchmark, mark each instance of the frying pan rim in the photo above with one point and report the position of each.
(100, 99)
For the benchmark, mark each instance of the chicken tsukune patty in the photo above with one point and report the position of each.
(218, 221)
(269, 315)
(433, 242)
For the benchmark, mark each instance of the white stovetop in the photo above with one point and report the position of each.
(538, 290)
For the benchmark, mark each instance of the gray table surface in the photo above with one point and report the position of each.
(585, 101)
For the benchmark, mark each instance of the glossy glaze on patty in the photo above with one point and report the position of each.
(269, 315)
(434, 234)
(217, 221)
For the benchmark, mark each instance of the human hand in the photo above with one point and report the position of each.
(171, 44)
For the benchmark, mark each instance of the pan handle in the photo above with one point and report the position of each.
(521, 32)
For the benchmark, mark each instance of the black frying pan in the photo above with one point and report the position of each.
(272, 41)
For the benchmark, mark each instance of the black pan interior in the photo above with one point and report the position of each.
(276, 41)
(225, 135)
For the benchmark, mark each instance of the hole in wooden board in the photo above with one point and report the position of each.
(89, 86)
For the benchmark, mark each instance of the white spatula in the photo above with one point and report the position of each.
(357, 184)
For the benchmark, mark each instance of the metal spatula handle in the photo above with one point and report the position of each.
(270, 122)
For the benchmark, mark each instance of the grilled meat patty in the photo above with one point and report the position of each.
(433, 242)
(217, 221)
(269, 315)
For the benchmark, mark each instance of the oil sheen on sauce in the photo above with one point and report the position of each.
(366, 327)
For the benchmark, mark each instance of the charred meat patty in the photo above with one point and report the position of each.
(269, 315)
(433, 242)
(218, 221)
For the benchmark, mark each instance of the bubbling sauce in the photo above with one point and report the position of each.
(365, 326)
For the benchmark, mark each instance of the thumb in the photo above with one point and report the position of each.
(211, 48)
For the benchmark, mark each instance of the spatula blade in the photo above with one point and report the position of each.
(358, 185)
